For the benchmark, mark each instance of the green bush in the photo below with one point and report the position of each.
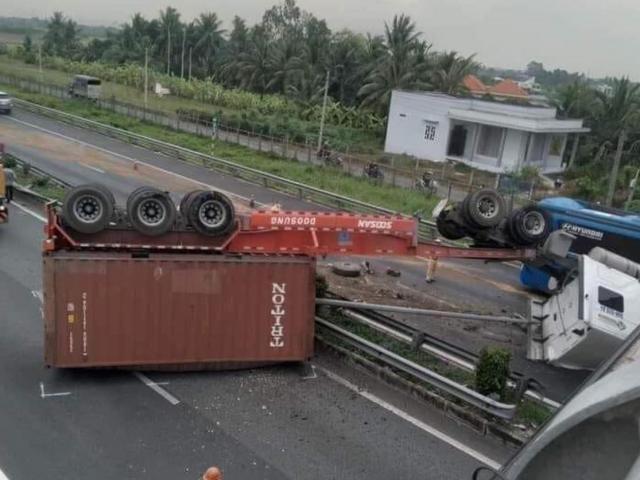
(634, 206)
(41, 182)
(493, 371)
(9, 162)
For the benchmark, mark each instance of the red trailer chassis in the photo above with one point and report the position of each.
(284, 233)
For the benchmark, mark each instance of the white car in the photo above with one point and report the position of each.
(5, 103)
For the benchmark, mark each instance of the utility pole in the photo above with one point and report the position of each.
(190, 55)
(168, 50)
(184, 39)
(616, 166)
(324, 110)
(40, 59)
(146, 76)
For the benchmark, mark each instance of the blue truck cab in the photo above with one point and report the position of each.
(593, 226)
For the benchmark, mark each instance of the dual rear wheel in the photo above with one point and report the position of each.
(91, 208)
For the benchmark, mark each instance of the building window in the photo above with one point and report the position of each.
(489, 141)
(537, 147)
(430, 130)
(610, 300)
(555, 146)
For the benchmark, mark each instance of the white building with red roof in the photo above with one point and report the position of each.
(497, 136)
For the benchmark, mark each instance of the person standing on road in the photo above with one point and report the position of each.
(432, 265)
(9, 182)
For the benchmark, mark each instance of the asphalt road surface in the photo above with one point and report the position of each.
(270, 423)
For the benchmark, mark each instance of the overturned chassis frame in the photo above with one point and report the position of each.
(283, 233)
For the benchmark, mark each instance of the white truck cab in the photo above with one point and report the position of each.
(590, 316)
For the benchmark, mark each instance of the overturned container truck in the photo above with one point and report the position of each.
(199, 286)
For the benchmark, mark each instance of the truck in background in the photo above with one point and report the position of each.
(85, 86)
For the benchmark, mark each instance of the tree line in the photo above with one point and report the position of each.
(289, 52)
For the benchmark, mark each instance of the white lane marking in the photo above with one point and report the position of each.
(3, 476)
(29, 212)
(133, 160)
(91, 167)
(43, 394)
(414, 421)
(311, 375)
(157, 388)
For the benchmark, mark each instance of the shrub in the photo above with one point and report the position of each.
(493, 371)
(9, 162)
(41, 182)
(26, 169)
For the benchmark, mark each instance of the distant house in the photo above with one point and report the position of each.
(504, 89)
(490, 135)
(605, 89)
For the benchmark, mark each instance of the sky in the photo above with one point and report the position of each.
(599, 38)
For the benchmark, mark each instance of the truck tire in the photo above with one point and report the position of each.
(107, 192)
(211, 213)
(87, 208)
(529, 225)
(346, 269)
(185, 203)
(484, 208)
(448, 229)
(151, 211)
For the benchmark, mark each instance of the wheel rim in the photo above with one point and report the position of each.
(151, 212)
(533, 223)
(487, 207)
(212, 214)
(87, 209)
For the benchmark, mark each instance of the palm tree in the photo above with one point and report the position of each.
(575, 100)
(208, 39)
(617, 113)
(450, 70)
(345, 55)
(236, 46)
(308, 87)
(396, 67)
(253, 65)
(284, 61)
(169, 34)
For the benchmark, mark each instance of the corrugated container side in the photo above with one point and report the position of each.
(188, 310)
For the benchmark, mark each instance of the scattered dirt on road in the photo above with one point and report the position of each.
(379, 287)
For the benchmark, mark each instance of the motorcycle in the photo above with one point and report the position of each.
(426, 183)
(372, 171)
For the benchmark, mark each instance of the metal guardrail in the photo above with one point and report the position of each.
(502, 410)
(432, 345)
(426, 228)
(37, 172)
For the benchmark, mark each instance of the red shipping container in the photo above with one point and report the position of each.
(189, 311)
